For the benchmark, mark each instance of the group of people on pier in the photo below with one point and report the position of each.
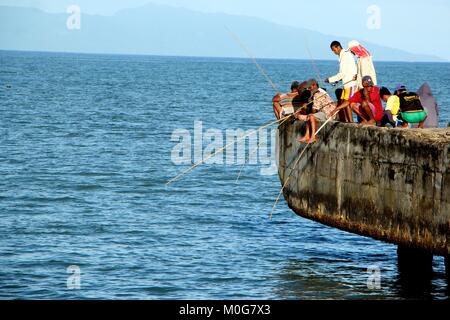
(358, 95)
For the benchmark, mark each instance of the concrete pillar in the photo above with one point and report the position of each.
(415, 269)
(415, 262)
(447, 268)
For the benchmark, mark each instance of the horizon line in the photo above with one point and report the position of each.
(203, 57)
(438, 59)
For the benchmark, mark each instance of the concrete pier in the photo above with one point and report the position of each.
(389, 184)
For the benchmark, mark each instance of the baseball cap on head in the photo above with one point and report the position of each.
(400, 87)
(368, 79)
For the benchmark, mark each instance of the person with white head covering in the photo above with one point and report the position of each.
(365, 62)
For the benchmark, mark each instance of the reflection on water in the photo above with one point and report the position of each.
(344, 279)
(422, 281)
(347, 279)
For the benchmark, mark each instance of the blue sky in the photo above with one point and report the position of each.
(415, 26)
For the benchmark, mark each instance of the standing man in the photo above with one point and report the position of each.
(347, 74)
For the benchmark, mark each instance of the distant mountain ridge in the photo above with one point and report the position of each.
(163, 30)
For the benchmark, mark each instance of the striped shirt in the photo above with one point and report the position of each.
(322, 102)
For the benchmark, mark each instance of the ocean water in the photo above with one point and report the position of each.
(85, 152)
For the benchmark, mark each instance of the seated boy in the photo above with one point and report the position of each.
(392, 108)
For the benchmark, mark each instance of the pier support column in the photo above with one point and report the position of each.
(415, 269)
(447, 268)
(413, 261)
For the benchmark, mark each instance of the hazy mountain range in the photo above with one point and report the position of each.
(163, 30)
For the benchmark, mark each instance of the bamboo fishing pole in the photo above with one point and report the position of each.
(245, 136)
(236, 38)
(312, 59)
(249, 53)
(222, 149)
(287, 180)
(307, 146)
(303, 107)
(239, 42)
(256, 150)
(294, 167)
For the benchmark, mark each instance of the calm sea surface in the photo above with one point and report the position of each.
(85, 151)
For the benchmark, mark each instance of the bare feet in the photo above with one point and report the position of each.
(363, 123)
(303, 140)
(368, 123)
(312, 140)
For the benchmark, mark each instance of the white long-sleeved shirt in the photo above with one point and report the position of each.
(366, 68)
(347, 70)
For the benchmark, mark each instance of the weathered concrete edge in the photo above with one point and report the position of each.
(420, 235)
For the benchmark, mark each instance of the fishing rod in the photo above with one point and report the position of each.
(286, 118)
(222, 149)
(257, 147)
(295, 165)
(334, 113)
(236, 38)
(301, 108)
(287, 180)
(312, 59)
(282, 120)
(320, 96)
(249, 53)
(263, 72)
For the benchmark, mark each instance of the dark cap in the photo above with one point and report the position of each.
(295, 84)
(400, 88)
(368, 79)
